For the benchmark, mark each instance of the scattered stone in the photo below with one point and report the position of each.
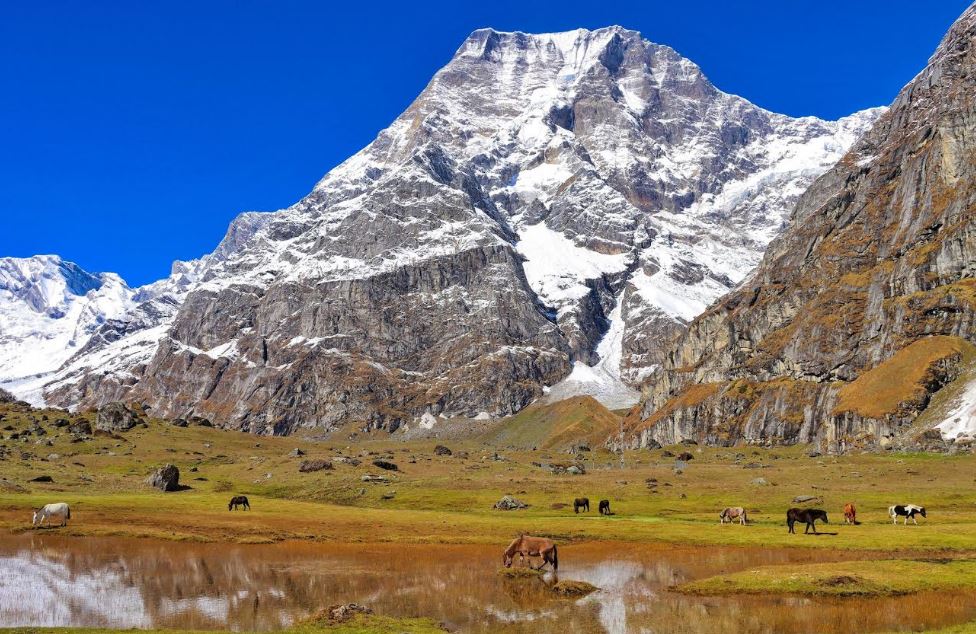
(575, 470)
(344, 612)
(42, 478)
(165, 478)
(352, 462)
(814, 454)
(115, 417)
(803, 499)
(653, 444)
(80, 427)
(685, 456)
(389, 495)
(760, 482)
(200, 421)
(51, 457)
(179, 422)
(752, 465)
(309, 466)
(463, 455)
(441, 450)
(377, 479)
(667, 454)
(509, 503)
(61, 422)
(296, 453)
(385, 465)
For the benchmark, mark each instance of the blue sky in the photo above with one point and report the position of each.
(131, 133)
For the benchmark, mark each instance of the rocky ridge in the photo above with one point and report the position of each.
(864, 307)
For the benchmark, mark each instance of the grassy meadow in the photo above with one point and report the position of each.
(435, 498)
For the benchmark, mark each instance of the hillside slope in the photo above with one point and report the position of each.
(864, 306)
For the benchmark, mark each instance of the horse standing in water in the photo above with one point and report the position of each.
(527, 546)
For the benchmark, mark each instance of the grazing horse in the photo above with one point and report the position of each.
(732, 513)
(526, 546)
(58, 511)
(239, 500)
(907, 511)
(850, 513)
(805, 515)
(581, 503)
(605, 507)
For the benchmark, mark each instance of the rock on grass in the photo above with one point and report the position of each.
(308, 466)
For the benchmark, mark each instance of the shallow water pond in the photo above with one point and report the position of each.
(46, 579)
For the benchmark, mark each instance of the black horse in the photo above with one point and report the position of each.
(239, 500)
(809, 516)
(581, 503)
(605, 507)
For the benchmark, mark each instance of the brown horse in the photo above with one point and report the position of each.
(605, 507)
(809, 516)
(581, 503)
(850, 513)
(526, 546)
(239, 500)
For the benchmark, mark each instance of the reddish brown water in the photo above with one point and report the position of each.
(125, 583)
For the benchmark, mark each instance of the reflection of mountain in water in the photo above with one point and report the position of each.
(118, 583)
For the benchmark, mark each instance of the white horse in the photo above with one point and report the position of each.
(732, 513)
(58, 511)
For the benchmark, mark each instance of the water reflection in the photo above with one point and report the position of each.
(104, 582)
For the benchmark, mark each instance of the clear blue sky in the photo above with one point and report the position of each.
(131, 133)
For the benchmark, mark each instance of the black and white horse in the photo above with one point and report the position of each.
(908, 511)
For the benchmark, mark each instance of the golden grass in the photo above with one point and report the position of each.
(557, 426)
(899, 382)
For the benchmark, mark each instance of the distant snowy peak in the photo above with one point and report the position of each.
(550, 206)
(49, 308)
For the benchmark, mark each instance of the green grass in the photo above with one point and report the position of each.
(854, 578)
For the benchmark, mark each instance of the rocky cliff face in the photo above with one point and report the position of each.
(864, 307)
(542, 191)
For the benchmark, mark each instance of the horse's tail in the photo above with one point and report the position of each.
(69, 513)
(555, 557)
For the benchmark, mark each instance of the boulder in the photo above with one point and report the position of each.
(376, 479)
(7, 397)
(179, 422)
(80, 427)
(296, 453)
(441, 450)
(760, 482)
(509, 503)
(165, 478)
(813, 454)
(308, 466)
(352, 462)
(575, 470)
(685, 456)
(802, 499)
(115, 417)
(200, 421)
(42, 478)
(385, 465)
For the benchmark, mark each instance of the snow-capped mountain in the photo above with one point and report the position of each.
(551, 207)
(49, 309)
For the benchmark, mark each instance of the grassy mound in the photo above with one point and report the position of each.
(904, 380)
(856, 578)
(557, 426)
(570, 588)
